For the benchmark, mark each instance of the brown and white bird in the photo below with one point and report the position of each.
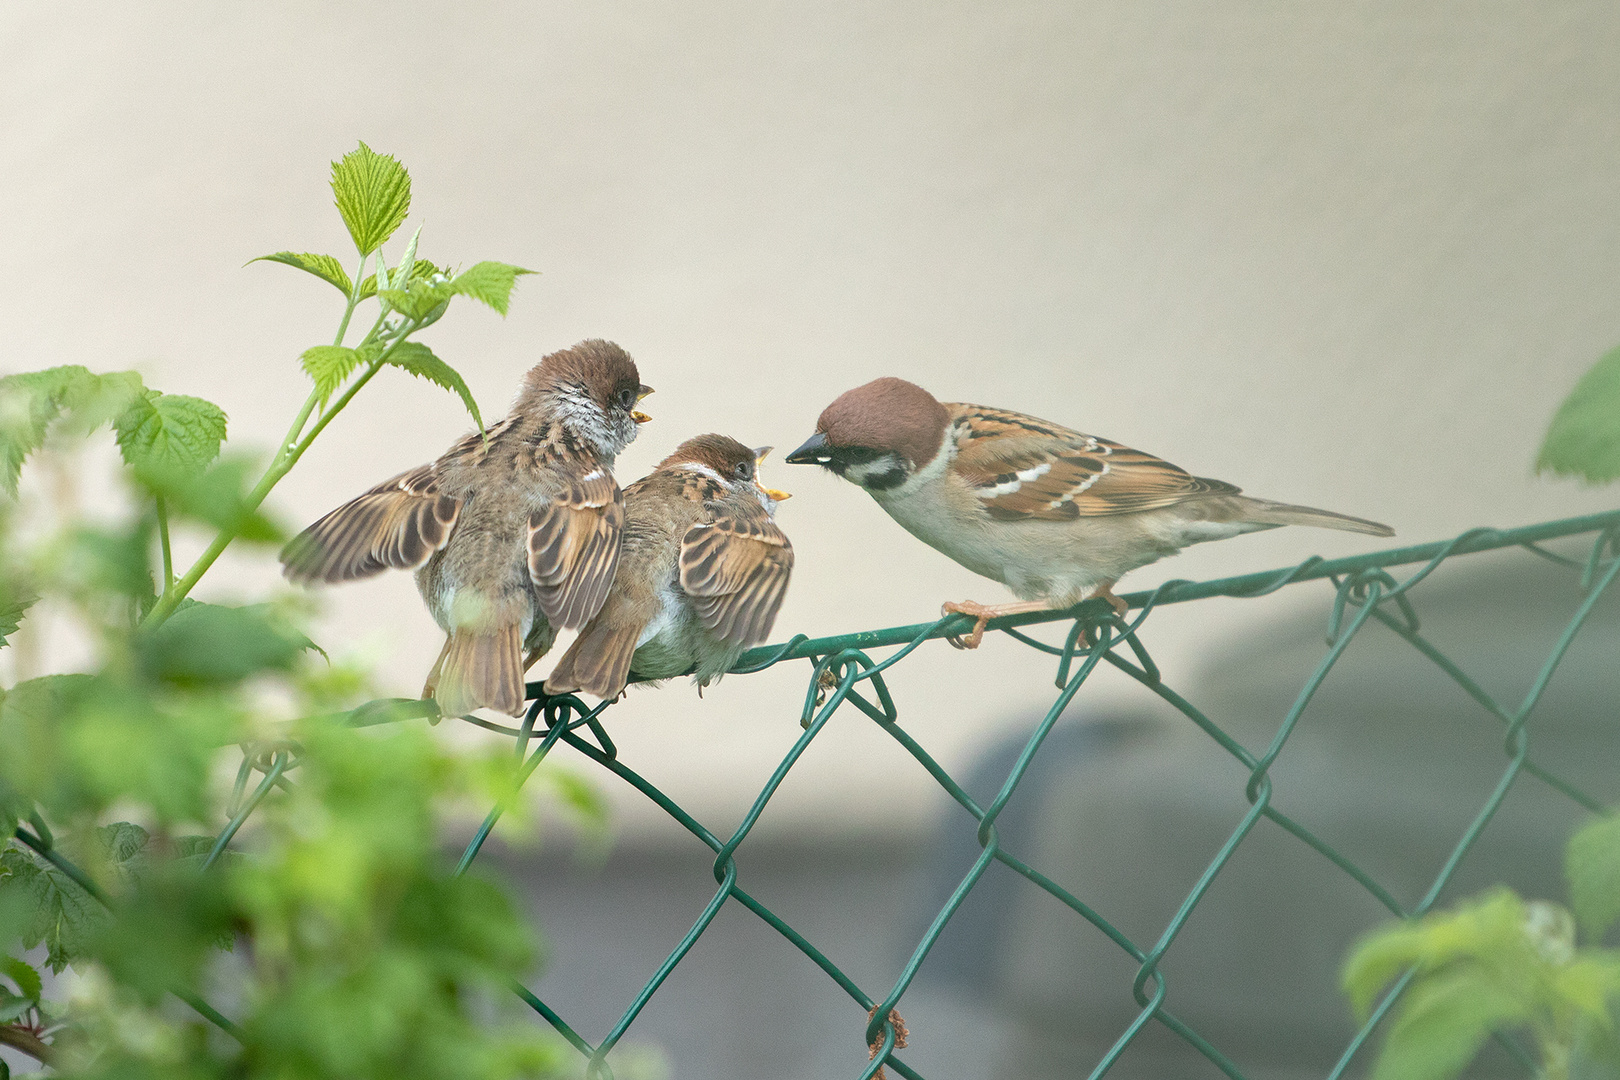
(515, 533)
(1055, 515)
(703, 572)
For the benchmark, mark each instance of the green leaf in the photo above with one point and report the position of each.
(171, 430)
(373, 193)
(418, 359)
(489, 283)
(217, 497)
(1592, 868)
(329, 366)
(419, 301)
(23, 975)
(31, 401)
(12, 1007)
(1584, 437)
(1443, 1022)
(11, 614)
(325, 267)
(210, 643)
(122, 842)
(63, 914)
(1490, 926)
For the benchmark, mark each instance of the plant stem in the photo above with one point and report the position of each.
(354, 300)
(163, 537)
(286, 457)
(19, 1038)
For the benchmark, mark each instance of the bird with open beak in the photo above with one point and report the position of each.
(703, 572)
(1055, 515)
(514, 533)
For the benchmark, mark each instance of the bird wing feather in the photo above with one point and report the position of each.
(1023, 468)
(735, 568)
(397, 524)
(574, 547)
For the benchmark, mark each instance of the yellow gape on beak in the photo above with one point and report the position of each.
(636, 415)
(759, 456)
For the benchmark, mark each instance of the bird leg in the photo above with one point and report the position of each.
(1105, 592)
(984, 613)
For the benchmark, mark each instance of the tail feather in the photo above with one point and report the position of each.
(1264, 512)
(479, 670)
(598, 662)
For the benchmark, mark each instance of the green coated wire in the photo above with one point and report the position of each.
(1364, 591)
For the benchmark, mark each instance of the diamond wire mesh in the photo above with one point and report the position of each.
(1364, 591)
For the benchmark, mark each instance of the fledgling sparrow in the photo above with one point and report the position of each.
(1055, 515)
(515, 537)
(703, 572)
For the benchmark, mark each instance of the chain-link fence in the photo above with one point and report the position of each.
(843, 673)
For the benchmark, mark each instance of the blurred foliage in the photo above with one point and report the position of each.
(1584, 437)
(1499, 964)
(334, 937)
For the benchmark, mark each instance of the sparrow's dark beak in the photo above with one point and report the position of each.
(637, 415)
(814, 452)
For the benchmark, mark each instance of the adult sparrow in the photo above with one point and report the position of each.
(1055, 515)
(515, 531)
(703, 572)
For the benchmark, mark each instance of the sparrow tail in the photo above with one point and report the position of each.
(479, 670)
(598, 662)
(1264, 512)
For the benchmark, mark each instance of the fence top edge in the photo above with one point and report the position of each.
(1474, 540)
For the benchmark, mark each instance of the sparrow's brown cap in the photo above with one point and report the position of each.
(886, 414)
(721, 453)
(604, 370)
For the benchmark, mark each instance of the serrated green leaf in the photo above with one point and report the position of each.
(22, 973)
(122, 842)
(330, 366)
(373, 193)
(419, 301)
(170, 431)
(418, 359)
(1592, 868)
(325, 267)
(211, 643)
(489, 283)
(63, 914)
(11, 615)
(1584, 436)
(31, 401)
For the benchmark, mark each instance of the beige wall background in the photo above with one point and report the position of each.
(1350, 255)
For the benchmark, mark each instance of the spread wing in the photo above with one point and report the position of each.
(396, 524)
(735, 569)
(1022, 468)
(574, 548)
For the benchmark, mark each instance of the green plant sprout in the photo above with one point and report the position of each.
(1499, 963)
(341, 943)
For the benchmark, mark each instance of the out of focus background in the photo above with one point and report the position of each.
(1350, 256)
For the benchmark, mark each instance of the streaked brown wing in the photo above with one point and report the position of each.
(1023, 468)
(736, 570)
(574, 548)
(396, 524)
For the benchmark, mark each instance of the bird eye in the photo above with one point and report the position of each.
(745, 470)
(627, 398)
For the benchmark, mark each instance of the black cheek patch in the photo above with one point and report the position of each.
(885, 480)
